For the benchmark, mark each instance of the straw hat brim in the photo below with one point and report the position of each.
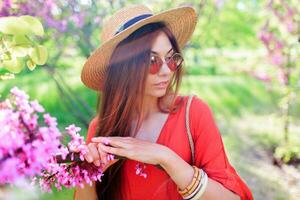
(181, 21)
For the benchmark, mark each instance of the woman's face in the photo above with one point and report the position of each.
(156, 84)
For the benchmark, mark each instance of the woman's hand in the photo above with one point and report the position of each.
(132, 148)
(98, 157)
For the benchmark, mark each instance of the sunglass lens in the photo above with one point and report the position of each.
(154, 65)
(174, 62)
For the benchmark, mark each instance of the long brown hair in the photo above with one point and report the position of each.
(122, 98)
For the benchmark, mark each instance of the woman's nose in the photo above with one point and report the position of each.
(164, 68)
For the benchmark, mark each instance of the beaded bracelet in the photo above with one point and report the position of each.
(187, 190)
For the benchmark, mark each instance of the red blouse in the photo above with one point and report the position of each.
(210, 155)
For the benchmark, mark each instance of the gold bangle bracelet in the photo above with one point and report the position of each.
(192, 184)
(198, 181)
(191, 190)
(200, 189)
(186, 189)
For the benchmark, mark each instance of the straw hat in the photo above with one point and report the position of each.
(181, 21)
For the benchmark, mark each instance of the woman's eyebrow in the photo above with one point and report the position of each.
(166, 53)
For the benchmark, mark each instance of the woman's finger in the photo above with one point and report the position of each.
(103, 154)
(88, 156)
(121, 142)
(95, 154)
(103, 140)
(114, 150)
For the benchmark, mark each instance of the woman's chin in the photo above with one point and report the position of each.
(158, 93)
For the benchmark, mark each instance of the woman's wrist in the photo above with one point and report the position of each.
(178, 169)
(166, 157)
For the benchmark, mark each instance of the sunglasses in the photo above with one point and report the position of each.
(173, 62)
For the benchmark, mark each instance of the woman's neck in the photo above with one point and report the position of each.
(150, 106)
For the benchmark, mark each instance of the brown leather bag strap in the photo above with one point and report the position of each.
(187, 125)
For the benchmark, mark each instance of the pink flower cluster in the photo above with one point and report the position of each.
(273, 45)
(275, 38)
(285, 13)
(29, 147)
(25, 147)
(74, 174)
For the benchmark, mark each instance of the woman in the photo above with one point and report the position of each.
(141, 117)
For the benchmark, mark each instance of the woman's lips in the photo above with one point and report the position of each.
(162, 84)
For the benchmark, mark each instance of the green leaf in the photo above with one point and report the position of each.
(30, 64)
(21, 40)
(35, 25)
(23, 25)
(14, 65)
(6, 56)
(7, 43)
(6, 76)
(19, 51)
(39, 54)
(13, 25)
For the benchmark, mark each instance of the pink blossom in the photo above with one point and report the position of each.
(277, 58)
(291, 26)
(72, 130)
(140, 170)
(50, 121)
(36, 106)
(19, 93)
(266, 37)
(63, 151)
(282, 77)
(78, 19)
(278, 45)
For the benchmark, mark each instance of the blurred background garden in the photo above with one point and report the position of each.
(243, 60)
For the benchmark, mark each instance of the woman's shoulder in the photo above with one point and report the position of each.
(198, 104)
(202, 118)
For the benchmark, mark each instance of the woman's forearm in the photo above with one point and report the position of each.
(87, 192)
(182, 173)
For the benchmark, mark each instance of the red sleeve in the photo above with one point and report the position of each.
(210, 154)
(91, 130)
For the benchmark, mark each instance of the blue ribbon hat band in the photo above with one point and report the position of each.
(132, 21)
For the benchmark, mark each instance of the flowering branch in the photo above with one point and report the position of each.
(29, 149)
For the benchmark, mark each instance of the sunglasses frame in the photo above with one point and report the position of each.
(167, 60)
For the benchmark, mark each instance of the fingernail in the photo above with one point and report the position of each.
(106, 141)
(97, 163)
(89, 158)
